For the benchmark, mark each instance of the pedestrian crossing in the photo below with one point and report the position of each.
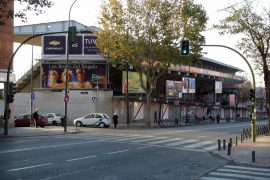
(238, 172)
(178, 143)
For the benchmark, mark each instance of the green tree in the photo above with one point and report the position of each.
(147, 34)
(35, 6)
(254, 28)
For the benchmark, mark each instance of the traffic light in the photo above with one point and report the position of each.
(11, 92)
(252, 95)
(184, 48)
(72, 33)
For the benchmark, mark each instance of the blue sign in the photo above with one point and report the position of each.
(76, 48)
(32, 96)
(90, 45)
(94, 99)
(54, 45)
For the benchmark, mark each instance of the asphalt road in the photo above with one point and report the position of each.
(117, 154)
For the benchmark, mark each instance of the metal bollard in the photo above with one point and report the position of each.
(224, 144)
(241, 138)
(231, 141)
(253, 156)
(236, 139)
(229, 148)
(219, 144)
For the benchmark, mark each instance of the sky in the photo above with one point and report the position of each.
(87, 12)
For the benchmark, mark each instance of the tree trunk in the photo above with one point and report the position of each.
(267, 92)
(148, 110)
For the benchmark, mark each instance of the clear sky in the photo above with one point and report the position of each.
(87, 11)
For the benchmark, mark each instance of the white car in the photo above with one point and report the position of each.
(94, 119)
(54, 118)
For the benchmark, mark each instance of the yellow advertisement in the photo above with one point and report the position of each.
(134, 84)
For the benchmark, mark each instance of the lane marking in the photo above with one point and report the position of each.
(115, 152)
(182, 142)
(210, 148)
(144, 147)
(166, 140)
(246, 172)
(29, 167)
(215, 178)
(247, 168)
(149, 139)
(238, 176)
(199, 144)
(80, 158)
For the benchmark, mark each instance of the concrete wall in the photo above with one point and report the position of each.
(79, 103)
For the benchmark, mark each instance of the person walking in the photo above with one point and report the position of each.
(115, 120)
(35, 117)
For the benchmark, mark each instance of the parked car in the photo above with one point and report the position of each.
(54, 118)
(94, 119)
(24, 121)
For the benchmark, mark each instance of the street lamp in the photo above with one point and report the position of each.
(32, 66)
(66, 83)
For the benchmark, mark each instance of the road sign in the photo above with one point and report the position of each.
(94, 99)
(95, 77)
(32, 96)
(66, 98)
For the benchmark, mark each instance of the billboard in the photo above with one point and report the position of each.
(83, 46)
(218, 87)
(134, 84)
(173, 89)
(188, 85)
(80, 76)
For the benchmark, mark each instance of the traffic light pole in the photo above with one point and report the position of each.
(253, 122)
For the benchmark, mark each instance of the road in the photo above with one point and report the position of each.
(117, 154)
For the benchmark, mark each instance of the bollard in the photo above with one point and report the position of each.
(224, 144)
(229, 148)
(231, 141)
(236, 140)
(253, 156)
(219, 143)
(241, 138)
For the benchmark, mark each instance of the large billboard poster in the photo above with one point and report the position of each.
(173, 89)
(188, 85)
(53, 45)
(218, 87)
(84, 45)
(134, 84)
(80, 76)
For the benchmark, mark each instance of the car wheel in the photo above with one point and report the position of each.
(79, 124)
(101, 125)
(54, 123)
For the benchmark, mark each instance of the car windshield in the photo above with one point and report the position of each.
(106, 116)
(58, 114)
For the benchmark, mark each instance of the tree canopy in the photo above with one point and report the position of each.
(35, 6)
(147, 34)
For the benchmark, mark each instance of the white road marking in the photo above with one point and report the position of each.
(199, 144)
(182, 142)
(210, 148)
(166, 140)
(215, 178)
(29, 167)
(131, 138)
(248, 168)
(238, 176)
(80, 158)
(148, 139)
(243, 171)
(144, 147)
(115, 152)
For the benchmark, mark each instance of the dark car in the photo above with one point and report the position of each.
(24, 121)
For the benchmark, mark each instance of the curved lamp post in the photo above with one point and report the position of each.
(66, 83)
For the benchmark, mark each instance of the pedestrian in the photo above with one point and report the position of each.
(115, 120)
(35, 117)
(155, 117)
(218, 118)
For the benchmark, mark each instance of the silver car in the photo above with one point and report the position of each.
(54, 118)
(94, 119)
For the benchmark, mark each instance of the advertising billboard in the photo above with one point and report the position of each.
(188, 85)
(84, 45)
(80, 76)
(173, 89)
(218, 87)
(134, 84)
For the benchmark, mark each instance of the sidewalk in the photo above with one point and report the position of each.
(243, 152)
(32, 132)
